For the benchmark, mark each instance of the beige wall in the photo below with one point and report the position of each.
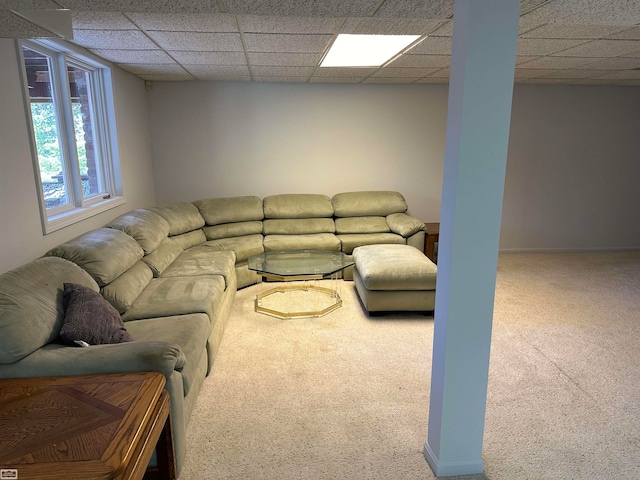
(571, 172)
(224, 139)
(21, 237)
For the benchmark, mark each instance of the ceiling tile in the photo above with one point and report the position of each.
(551, 30)
(410, 60)
(185, 22)
(574, 73)
(28, 5)
(293, 8)
(113, 39)
(268, 78)
(445, 30)
(442, 9)
(593, 12)
(555, 62)
(197, 41)
(525, 58)
(542, 46)
(390, 80)
(628, 34)
(527, 5)
(12, 26)
(221, 70)
(285, 59)
(141, 69)
(531, 72)
(602, 48)
(101, 21)
(623, 74)
(405, 72)
(296, 25)
(224, 78)
(134, 56)
(336, 79)
(432, 79)
(344, 72)
(157, 6)
(390, 26)
(282, 71)
(209, 58)
(257, 42)
(433, 46)
(619, 63)
(167, 77)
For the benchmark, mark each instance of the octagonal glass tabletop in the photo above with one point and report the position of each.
(297, 263)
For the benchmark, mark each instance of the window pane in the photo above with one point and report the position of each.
(45, 128)
(83, 121)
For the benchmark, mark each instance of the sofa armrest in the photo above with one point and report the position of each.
(61, 360)
(403, 224)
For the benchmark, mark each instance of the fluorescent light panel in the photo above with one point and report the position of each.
(365, 50)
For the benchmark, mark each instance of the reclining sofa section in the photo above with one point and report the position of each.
(172, 272)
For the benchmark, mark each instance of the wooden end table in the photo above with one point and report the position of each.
(432, 231)
(85, 427)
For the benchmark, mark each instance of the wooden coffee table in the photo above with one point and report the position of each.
(85, 427)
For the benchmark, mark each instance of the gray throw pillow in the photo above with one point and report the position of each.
(89, 318)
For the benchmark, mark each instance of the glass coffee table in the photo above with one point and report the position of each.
(305, 299)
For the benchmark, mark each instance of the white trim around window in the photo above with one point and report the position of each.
(70, 113)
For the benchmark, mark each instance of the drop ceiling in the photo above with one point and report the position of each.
(560, 41)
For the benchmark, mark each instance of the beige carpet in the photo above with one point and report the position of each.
(346, 396)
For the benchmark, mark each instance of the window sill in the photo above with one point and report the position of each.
(56, 222)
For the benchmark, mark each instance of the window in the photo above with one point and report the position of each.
(73, 133)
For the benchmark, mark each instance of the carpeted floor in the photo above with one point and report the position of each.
(346, 396)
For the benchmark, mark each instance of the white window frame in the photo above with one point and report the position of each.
(105, 133)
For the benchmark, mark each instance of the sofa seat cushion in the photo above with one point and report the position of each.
(178, 296)
(297, 205)
(362, 204)
(203, 260)
(243, 247)
(318, 241)
(188, 332)
(394, 267)
(353, 240)
(31, 309)
(105, 253)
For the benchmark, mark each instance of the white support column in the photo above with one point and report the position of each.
(479, 112)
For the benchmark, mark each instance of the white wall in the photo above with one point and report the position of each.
(223, 139)
(21, 237)
(571, 173)
(573, 170)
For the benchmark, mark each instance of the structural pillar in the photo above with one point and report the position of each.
(479, 112)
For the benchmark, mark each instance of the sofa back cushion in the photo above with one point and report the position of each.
(146, 227)
(231, 230)
(361, 225)
(181, 216)
(163, 256)
(373, 203)
(297, 205)
(217, 211)
(31, 310)
(189, 239)
(298, 226)
(105, 253)
(122, 292)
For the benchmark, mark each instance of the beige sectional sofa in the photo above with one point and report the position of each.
(171, 273)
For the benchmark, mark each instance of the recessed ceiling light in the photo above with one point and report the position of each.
(365, 50)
